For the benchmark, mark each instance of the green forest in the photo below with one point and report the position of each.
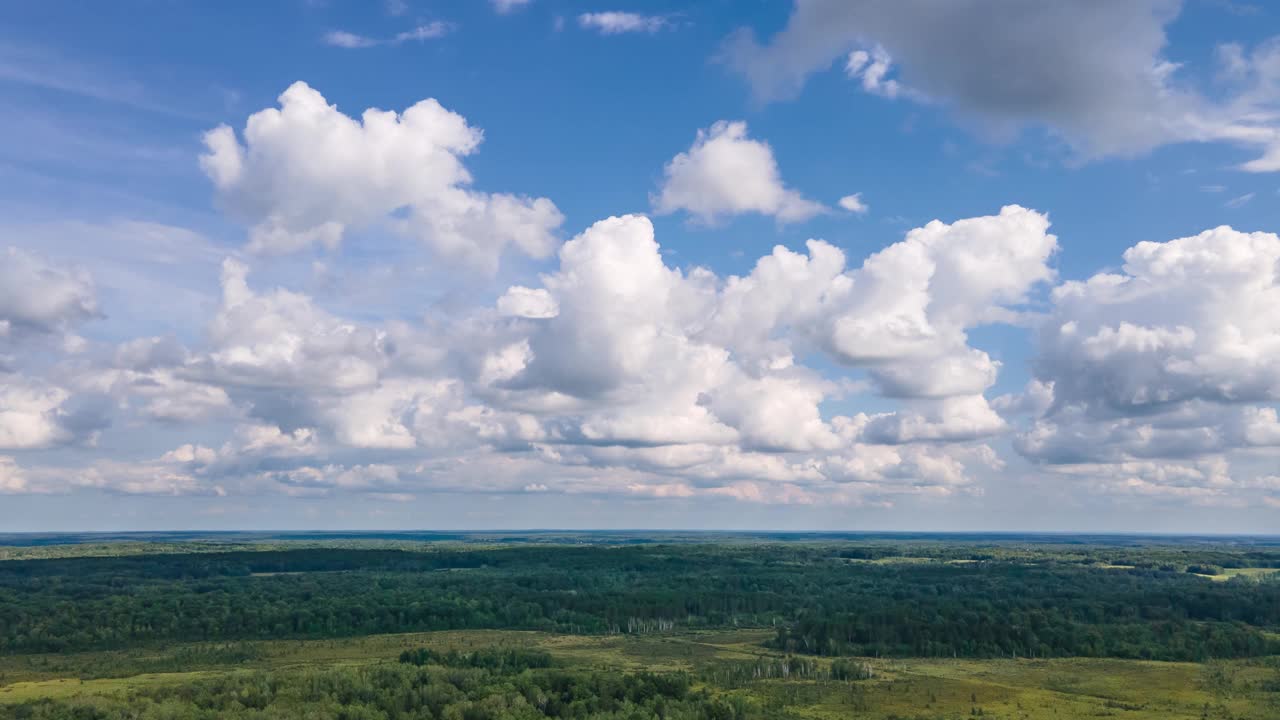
(834, 618)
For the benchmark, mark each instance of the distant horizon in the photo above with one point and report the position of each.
(641, 531)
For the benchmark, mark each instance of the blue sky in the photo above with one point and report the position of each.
(229, 301)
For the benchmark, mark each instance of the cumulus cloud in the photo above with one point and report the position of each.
(33, 413)
(1185, 319)
(12, 477)
(645, 359)
(38, 297)
(306, 175)
(914, 301)
(159, 477)
(620, 344)
(964, 417)
(716, 357)
(613, 373)
(617, 23)
(1208, 481)
(376, 479)
(726, 173)
(160, 393)
(281, 339)
(1147, 374)
(519, 301)
(1006, 65)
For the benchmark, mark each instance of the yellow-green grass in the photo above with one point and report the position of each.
(927, 688)
(71, 687)
(1255, 573)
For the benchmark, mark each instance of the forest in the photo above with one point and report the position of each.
(820, 600)
(819, 614)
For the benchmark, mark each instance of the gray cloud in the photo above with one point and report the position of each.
(1094, 72)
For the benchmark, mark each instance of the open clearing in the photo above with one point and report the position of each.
(925, 688)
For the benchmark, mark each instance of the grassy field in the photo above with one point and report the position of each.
(1253, 573)
(1032, 689)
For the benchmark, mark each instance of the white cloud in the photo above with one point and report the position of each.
(775, 412)
(634, 341)
(32, 413)
(308, 174)
(951, 419)
(348, 40)
(502, 7)
(1148, 375)
(614, 374)
(1034, 399)
(914, 300)
(160, 393)
(397, 414)
(871, 68)
(620, 343)
(1006, 65)
(38, 297)
(1186, 319)
(188, 453)
(282, 340)
(525, 302)
(353, 41)
(269, 440)
(322, 481)
(616, 23)
(429, 31)
(727, 173)
(854, 204)
(1239, 201)
(1209, 481)
(149, 478)
(12, 478)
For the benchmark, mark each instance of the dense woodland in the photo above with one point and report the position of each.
(824, 599)
(391, 692)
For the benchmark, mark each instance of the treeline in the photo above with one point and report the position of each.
(497, 659)
(401, 691)
(740, 673)
(1020, 632)
(821, 600)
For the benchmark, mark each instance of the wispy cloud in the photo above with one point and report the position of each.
(35, 67)
(617, 23)
(353, 41)
(1241, 201)
(344, 39)
(429, 31)
(502, 7)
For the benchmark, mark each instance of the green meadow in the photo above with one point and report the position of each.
(899, 688)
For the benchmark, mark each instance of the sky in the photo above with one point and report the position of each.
(507, 264)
